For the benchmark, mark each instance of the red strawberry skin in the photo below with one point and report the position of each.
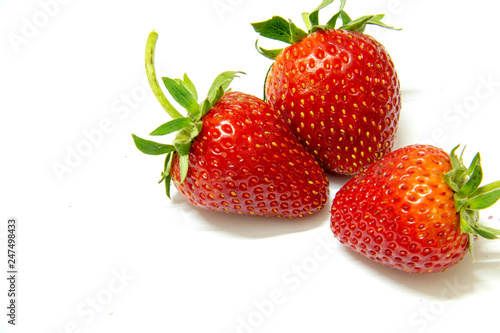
(246, 161)
(339, 92)
(400, 212)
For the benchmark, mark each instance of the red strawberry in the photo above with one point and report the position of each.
(337, 88)
(234, 153)
(414, 210)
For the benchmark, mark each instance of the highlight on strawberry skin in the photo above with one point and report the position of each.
(232, 152)
(415, 210)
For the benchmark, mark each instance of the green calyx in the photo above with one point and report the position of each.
(286, 31)
(187, 127)
(470, 197)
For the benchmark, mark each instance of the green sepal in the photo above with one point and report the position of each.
(278, 28)
(166, 176)
(188, 128)
(466, 221)
(313, 18)
(151, 147)
(271, 54)
(205, 106)
(359, 25)
(484, 197)
(470, 198)
(172, 126)
(182, 95)
(475, 174)
(331, 24)
(183, 148)
(190, 85)
(449, 180)
(307, 20)
(223, 80)
(168, 182)
(455, 161)
(296, 34)
(184, 167)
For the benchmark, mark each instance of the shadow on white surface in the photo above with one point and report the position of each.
(251, 227)
(464, 279)
(254, 227)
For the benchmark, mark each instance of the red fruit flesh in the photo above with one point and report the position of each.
(400, 212)
(339, 92)
(246, 161)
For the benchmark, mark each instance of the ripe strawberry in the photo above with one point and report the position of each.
(414, 210)
(337, 88)
(233, 153)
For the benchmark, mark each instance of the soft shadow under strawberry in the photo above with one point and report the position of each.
(249, 227)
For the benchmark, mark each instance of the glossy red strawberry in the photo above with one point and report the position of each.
(233, 153)
(336, 88)
(414, 210)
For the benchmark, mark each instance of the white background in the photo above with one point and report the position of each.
(100, 247)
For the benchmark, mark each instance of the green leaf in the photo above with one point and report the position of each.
(359, 24)
(484, 197)
(341, 13)
(183, 148)
(455, 161)
(166, 176)
(377, 21)
(345, 18)
(205, 106)
(151, 74)
(296, 34)
(151, 147)
(469, 223)
(489, 233)
(264, 98)
(449, 180)
(190, 85)
(184, 167)
(222, 80)
(166, 167)
(172, 126)
(276, 28)
(307, 20)
(466, 220)
(196, 129)
(168, 181)
(271, 54)
(182, 95)
(475, 174)
(314, 16)
(218, 95)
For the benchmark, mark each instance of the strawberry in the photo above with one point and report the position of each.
(233, 153)
(415, 210)
(336, 88)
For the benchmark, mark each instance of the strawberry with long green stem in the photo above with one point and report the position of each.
(337, 88)
(232, 152)
(415, 210)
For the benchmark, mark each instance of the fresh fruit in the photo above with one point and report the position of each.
(415, 210)
(336, 88)
(233, 153)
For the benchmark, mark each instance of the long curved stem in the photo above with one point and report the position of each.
(151, 74)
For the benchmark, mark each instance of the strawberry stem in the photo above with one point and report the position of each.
(184, 93)
(151, 74)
